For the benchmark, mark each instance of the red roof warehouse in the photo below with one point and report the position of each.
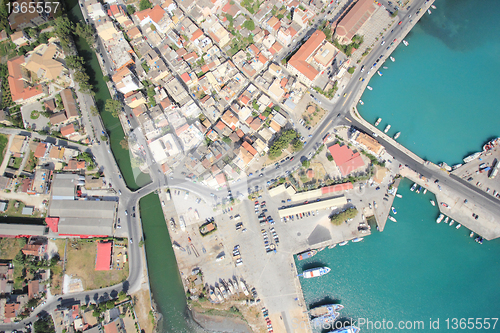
(103, 258)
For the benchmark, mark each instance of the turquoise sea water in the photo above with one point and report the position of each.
(442, 91)
(442, 94)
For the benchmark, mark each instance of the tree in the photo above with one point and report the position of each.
(45, 325)
(227, 140)
(106, 78)
(122, 295)
(351, 69)
(93, 110)
(74, 62)
(249, 24)
(349, 213)
(394, 13)
(130, 9)
(86, 31)
(145, 4)
(63, 28)
(113, 106)
(124, 143)
(297, 145)
(110, 304)
(306, 163)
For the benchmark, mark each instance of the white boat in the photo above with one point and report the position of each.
(425, 191)
(324, 321)
(392, 218)
(397, 135)
(419, 189)
(429, 11)
(244, 288)
(387, 128)
(458, 226)
(405, 43)
(235, 285)
(392, 59)
(394, 210)
(356, 240)
(471, 157)
(433, 7)
(325, 310)
(343, 243)
(332, 246)
(230, 286)
(315, 272)
(369, 88)
(385, 67)
(378, 121)
(446, 219)
(440, 218)
(433, 202)
(361, 102)
(413, 187)
(379, 73)
(218, 294)
(456, 166)
(452, 222)
(471, 234)
(399, 195)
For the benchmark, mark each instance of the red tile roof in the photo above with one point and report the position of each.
(244, 99)
(181, 129)
(16, 83)
(346, 160)
(40, 150)
(185, 77)
(248, 147)
(103, 258)
(220, 125)
(198, 33)
(67, 130)
(355, 18)
(298, 61)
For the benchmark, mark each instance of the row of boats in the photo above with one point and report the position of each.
(224, 289)
(440, 218)
(387, 128)
(414, 187)
(325, 315)
(487, 146)
(311, 253)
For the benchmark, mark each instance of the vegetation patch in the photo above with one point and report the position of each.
(34, 114)
(341, 217)
(282, 142)
(3, 146)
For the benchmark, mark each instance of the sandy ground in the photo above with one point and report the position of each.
(220, 323)
(142, 307)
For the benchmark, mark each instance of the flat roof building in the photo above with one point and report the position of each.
(317, 205)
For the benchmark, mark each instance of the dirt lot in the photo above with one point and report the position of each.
(142, 308)
(312, 119)
(81, 255)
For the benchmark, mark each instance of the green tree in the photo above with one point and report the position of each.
(297, 145)
(145, 4)
(227, 140)
(130, 9)
(394, 13)
(351, 69)
(122, 295)
(45, 325)
(113, 106)
(306, 163)
(339, 218)
(93, 110)
(63, 28)
(74, 62)
(87, 32)
(106, 78)
(249, 24)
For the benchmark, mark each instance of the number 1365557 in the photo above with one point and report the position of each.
(32, 7)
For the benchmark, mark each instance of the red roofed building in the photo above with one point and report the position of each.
(250, 149)
(10, 311)
(33, 289)
(336, 188)
(197, 34)
(68, 130)
(33, 249)
(355, 18)
(181, 129)
(185, 77)
(53, 223)
(299, 65)
(244, 99)
(221, 179)
(40, 150)
(103, 257)
(346, 160)
(20, 91)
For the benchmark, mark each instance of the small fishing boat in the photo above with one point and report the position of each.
(429, 11)
(369, 88)
(452, 222)
(440, 218)
(394, 210)
(378, 121)
(385, 67)
(433, 7)
(397, 135)
(433, 202)
(343, 243)
(356, 240)
(446, 219)
(379, 73)
(361, 102)
(471, 234)
(413, 187)
(419, 189)
(332, 246)
(445, 205)
(392, 218)
(405, 43)
(425, 190)
(392, 59)
(399, 195)
(387, 128)
(458, 226)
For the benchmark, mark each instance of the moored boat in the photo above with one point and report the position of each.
(419, 189)
(399, 195)
(390, 217)
(413, 187)
(343, 243)
(379, 73)
(385, 67)
(440, 218)
(446, 219)
(471, 157)
(369, 88)
(387, 128)
(433, 7)
(356, 240)
(397, 135)
(315, 272)
(452, 222)
(471, 234)
(433, 202)
(458, 226)
(405, 43)
(429, 11)
(306, 254)
(394, 210)
(378, 121)
(325, 310)
(332, 246)
(324, 321)
(392, 59)
(361, 102)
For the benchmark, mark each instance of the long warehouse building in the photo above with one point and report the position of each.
(317, 205)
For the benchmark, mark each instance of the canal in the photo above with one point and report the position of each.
(165, 281)
(132, 176)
